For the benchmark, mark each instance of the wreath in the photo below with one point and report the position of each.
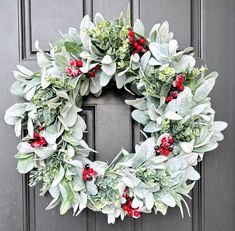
(172, 106)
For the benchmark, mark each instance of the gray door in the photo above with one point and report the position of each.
(208, 25)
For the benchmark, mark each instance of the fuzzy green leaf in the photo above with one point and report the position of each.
(25, 165)
(140, 116)
(73, 48)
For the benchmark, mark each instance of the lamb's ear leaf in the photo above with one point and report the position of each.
(203, 91)
(53, 203)
(207, 147)
(120, 80)
(168, 199)
(185, 62)
(25, 70)
(83, 202)
(98, 19)
(219, 125)
(171, 115)
(95, 85)
(145, 60)
(107, 59)
(109, 69)
(184, 102)
(18, 126)
(84, 87)
(14, 113)
(91, 188)
(73, 48)
(58, 177)
(140, 116)
(149, 200)
(17, 88)
(152, 127)
(139, 103)
(45, 152)
(104, 79)
(139, 27)
(25, 165)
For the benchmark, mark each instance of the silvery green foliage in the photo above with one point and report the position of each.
(54, 100)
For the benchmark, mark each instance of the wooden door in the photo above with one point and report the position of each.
(208, 25)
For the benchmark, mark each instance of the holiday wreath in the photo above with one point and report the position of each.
(172, 105)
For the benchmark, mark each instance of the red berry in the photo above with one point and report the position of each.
(181, 87)
(163, 139)
(167, 100)
(35, 135)
(142, 41)
(40, 128)
(131, 33)
(72, 63)
(40, 144)
(129, 202)
(166, 152)
(79, 72)
(79, 63)
(130, 212)
(178, 83)
(124, 207)
(162, 150)
(125, 196)
(131, 39)
(37, 144)
(69, 71)
(166, 145)
(136, 214)
(34, 144)
(89, 171)
(75, 73)
(136, 44)
(171, 97)
(139, 48)
(97, 67)
(170, 139)
(42, 141)
(180, 78)
(92, 74)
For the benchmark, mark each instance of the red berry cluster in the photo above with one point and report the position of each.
(38, 141)
(91, 73)
(88, 173)
(74, 70)
(127, 207)
(165, 147)
(176, 87)
(137, 46)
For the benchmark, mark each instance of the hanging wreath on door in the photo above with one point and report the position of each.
(171, 104)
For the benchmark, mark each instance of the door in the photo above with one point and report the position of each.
(208, 25)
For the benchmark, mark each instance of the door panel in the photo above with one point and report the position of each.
(177, 13)
(48, 17)
(109, 125)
